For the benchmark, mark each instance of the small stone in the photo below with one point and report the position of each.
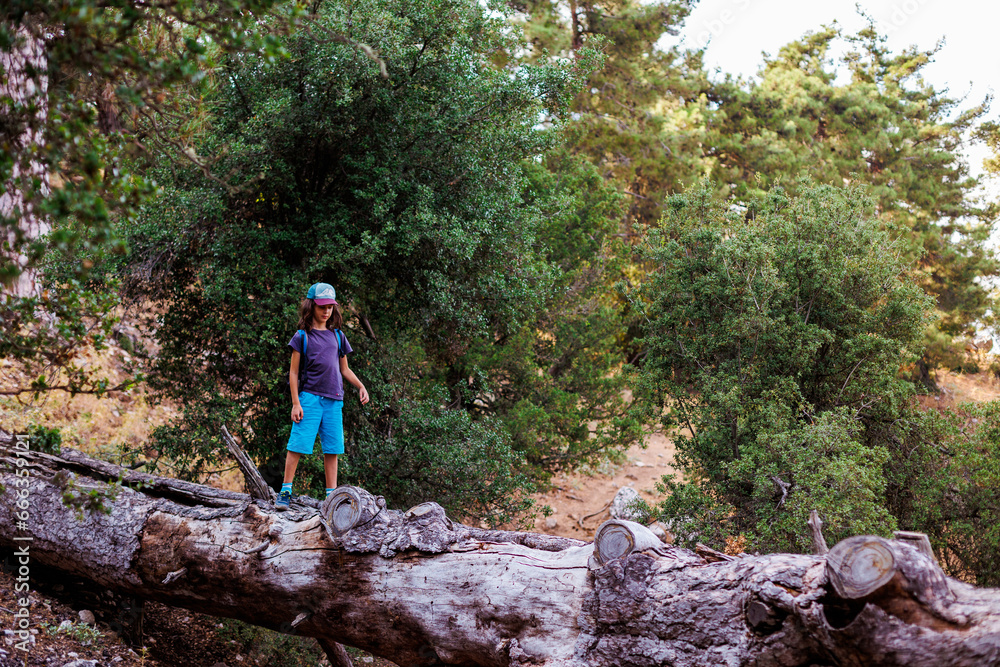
(66, 625)
(87, 617)
(73, 654)
(81, 663)
(622, 507)
(551, 523)
(115, 660)
(639, 464)
(367, 658)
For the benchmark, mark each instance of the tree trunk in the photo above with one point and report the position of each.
(23, 81)
(419, 589)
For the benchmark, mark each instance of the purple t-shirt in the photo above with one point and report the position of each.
(322, 367)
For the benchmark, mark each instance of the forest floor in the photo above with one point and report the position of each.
(116, 426)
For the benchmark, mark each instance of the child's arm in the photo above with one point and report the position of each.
(353, 379)
(293, 382)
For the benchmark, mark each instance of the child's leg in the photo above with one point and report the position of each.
(330, 467)
(303, 437)
(331, 435)
(291, 463)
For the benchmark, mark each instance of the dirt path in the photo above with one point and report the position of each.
(576, 496)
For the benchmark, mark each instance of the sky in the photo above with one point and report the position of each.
(735, 32)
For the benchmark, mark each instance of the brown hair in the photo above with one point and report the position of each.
(306, 310)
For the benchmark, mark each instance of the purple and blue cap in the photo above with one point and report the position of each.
(322, 294)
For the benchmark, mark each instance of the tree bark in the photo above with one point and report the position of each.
(419, 589)
(24, 83)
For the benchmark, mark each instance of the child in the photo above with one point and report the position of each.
(317, 406)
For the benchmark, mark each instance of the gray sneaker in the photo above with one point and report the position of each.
(284, 498)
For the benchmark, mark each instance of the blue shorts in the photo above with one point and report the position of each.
(321, 415)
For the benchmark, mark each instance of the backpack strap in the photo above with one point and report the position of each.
(340, 343)
(302, 359)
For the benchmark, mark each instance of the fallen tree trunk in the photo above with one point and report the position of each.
(418, 589)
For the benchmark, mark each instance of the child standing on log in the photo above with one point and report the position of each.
(319, 361)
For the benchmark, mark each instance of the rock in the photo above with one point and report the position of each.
(81, 663)
(73, 654)
(551, 522)
(87, 617)
(622, 507)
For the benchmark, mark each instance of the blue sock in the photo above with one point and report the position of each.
(286, 487)
(328, 492)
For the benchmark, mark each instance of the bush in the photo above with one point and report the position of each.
(775, 334)
(945, 481)
(428, 452)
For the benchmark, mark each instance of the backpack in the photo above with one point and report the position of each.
(305, 348)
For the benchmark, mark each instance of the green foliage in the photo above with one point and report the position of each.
(261, 646)
(46, 440)
(413, 193)
(944, 481)
(81, 632)
(775, 333)
(429, 451)
(78, 73)
(555, 381)
(654, 122)
(639, 118)
(884, 126)
(85, 501)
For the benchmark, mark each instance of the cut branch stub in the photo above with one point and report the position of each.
(256, 486)
(618, 538)
(918, 540)
(819, 542)
(859, 566)
(426, 513)
(349, 507)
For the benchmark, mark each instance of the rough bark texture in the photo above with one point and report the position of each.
(24, 84)
(419, 589)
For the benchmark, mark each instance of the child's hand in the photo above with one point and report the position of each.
(363, 393)
(296, 413)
